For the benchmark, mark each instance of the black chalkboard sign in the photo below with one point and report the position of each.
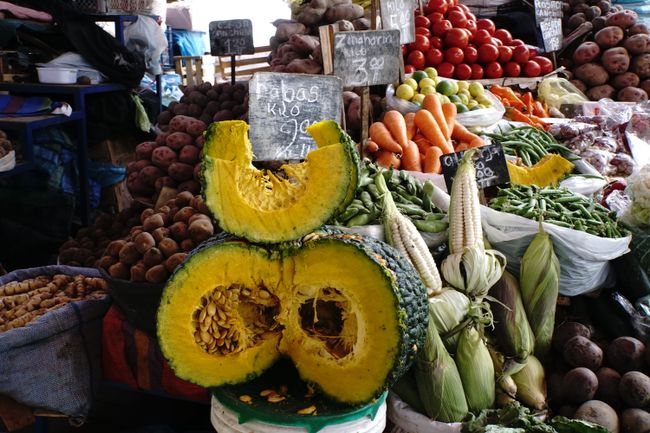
(367, 58)
(282, 106)
(231, 38)
(490, 164)
(398, 15)
(545, 9)
(551, 29)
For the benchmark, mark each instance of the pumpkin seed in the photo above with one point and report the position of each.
(246, 292)
(212, 309)
(264, 294)
(246, 398)
(203, 314)
(266, 392)
(205, 337)
(275, 398)
(307, 410)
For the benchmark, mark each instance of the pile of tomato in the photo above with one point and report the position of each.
(451, 39)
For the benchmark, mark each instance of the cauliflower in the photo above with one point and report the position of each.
(638, 188)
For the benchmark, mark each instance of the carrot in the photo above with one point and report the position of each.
(423, 144)
(411, 129)
(394, 121)
(387, 159)
(450, 112)
(411, 157)
(462, 134)
(426, 123)
(463, 145)
(432, 104)
(381, 135)
(432, 160)
(477, 142)
(371, 146)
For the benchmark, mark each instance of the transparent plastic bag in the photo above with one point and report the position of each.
(637, 133)
(145, 36)
(556, 91)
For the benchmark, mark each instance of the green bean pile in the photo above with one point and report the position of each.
(412, 198)
(561, 207)
(530, 144)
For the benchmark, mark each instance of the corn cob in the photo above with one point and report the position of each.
(504, 381)
(540, 282)
(511, 327)
(438, 381)
(531, 386)
(402, 234)
(447, 310)
(476, 369)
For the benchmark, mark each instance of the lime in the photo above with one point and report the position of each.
(418, 75)
(411, 83)
(464, 92)
(431, 72)
(425, 82)
(474, 108)
(482, 99)
(417, 99)
(476, 89)
(447, 87)
(471, 104)
(463, 85)
(404, 91)
(463, 98)
(461, 108)
(428, 90)
(443, 99)
(455, 99)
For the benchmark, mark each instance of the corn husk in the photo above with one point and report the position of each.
(438, 382)
(406, 388)
(531, 386)
(511, 328)
(504, 381)
(447, 310)
(473, 271)
(476, 369)
(540, 284)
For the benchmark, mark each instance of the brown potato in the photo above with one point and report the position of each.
(186, 245)
(114, 248)
(178, 231)
(174, 261)
(184, 214)
(156, 274)
(200, 230)
(198, 216)
(129, 254)
(119, 271)
(168, 246)
(146, 214)
(153, 257)
(106, 262)
(183, 199)
(138, 271)
(143, 242)
(153, 222)
(160, 233)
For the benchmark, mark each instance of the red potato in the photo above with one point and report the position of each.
(180, 171)
(196, 173)
(616, 60)
(586, 52)
(161, 138)
(623, 19)
(223, 115)
(304, 66)
(177, 140)
(285, 29)
(196, 127)
(304, 44)
(638, 28)
(189, 154)
(164, 117)
(600, 92)
(626, 79)
(641, 65)
(579, 85)
(199, 142)
(608, 37)
(143, 150)
(591, 74)
(645, 85)
(179, 123)
(136, 186)
(136, 166)
(637, 44)
(164, 181)
(344, 12)
(163, 156)
(632, 94)
(149, 174)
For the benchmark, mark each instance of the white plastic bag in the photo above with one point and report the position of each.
(406, 420)
(8, 162)
(145, 36)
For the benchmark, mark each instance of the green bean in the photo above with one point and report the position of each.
(349, 213)
(430, 226)
(366, 199)
(359, 220)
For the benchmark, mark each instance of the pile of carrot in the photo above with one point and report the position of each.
(415, 141)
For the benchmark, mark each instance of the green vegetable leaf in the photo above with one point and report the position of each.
(566, 425)
(492, 428)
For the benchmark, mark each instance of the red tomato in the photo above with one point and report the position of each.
(544, 63)
(481, 37)
(416, 59)
(422, 21)
(436, 42)
(471, 26)
(494, 70)
(505, 54)
(532, 69)
(495, 41)
(441, 27)
(470, 55)
(503, 35)
(409, 69)
(454, 55)
(405, 50)
(463, 72)
(434, 57)
(421, 43)
(436, 6)
(487, 53)
(435, 17)
(520, 54)
(477, 71)
(455, 8)
(512, 69)
(470, 16)
(456, 38)
(487, 24)
(464, 8)
(533, 52)
(457, 19)
(445, 70)
(517, 42)
(423, 31)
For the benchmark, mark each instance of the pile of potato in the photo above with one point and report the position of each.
(602, 382)
(24, 301)
(160, 243)
(616, 63)
(352, 106)
(5, 144)
(89, 243)
(296, 45)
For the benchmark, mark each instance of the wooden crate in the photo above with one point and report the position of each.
(245, 65)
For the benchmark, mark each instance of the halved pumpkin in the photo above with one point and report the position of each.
(348, 310)
(275, 206)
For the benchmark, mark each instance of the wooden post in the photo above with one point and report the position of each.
(374, 5)
(365, 118)
(233, 68)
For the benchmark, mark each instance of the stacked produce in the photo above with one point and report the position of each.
(295, 47)
(160, 243)
(5, 144)
(616, 63)
(21, 302)
(601, 382)
(352, 108)
(452, 40)
(415, 141)
(521, 107)
(412, 197)
(530, 144)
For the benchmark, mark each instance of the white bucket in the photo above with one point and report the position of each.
(226, 421)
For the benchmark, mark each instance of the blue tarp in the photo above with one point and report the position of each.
(188, 43)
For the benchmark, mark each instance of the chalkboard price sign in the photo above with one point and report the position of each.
(490, 164)
(551, 34)
(545, 9)
(231, 38)
(398, 15)
(282, 106)
(367, 58)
